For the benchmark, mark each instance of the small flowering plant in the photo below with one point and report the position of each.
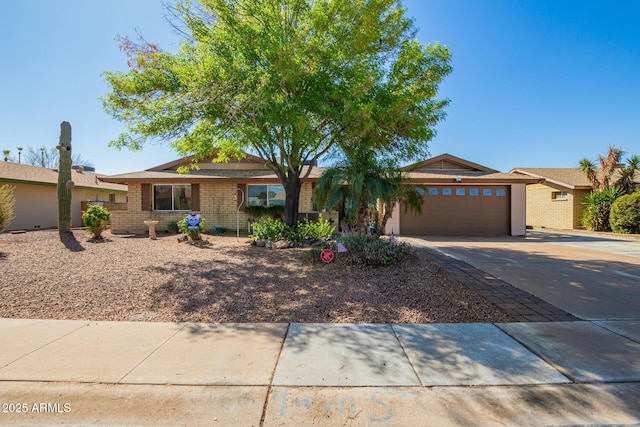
(96, 219)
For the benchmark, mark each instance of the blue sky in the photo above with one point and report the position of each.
(540, 83)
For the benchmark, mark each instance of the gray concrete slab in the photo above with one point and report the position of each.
(581, 350)
(100, 352)
(132, 405)
(590, 278)
(215, 354)
(471, 354)
(343, 355)
(542, 405)
(23, 336)
(629, 329)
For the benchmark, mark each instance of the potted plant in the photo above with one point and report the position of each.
(172, 227)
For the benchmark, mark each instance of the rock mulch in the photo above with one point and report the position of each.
(219, 279)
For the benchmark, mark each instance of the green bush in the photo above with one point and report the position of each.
(183, 227)
(625, 214)
(309, 230)
(7, 204)
(375, 251)
(598, 207)
(275, 211)
(269, 229)
(172, 226)
(96, 219)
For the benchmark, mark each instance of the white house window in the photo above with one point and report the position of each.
(171, 197)
(559, 195)
(265, 195)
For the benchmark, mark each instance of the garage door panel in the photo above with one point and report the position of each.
(474, 215)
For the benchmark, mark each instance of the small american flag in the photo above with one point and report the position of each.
(393, 238)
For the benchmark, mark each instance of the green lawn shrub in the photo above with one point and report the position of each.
(96, 219)
(625, 214)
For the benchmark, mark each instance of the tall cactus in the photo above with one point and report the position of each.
(65, 184)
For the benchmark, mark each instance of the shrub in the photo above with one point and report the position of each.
(172, 226)
(598, 207)
(96, 218)
(269, 229)
(183, 227)
(309, 230)
(375, 251)
(275, 211)
(7, 204)
(625, 214)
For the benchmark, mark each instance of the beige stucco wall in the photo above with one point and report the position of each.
(543, 211)
(37, 205)
(217, 207)
(518, 209)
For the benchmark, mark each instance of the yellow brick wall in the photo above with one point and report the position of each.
(578, 207)
(543, 211)
(217, 207)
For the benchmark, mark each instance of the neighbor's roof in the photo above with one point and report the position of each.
(26, 174)
(572, 178)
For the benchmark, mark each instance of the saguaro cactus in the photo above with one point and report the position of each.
(65, 184)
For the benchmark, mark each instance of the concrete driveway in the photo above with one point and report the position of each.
(591, 276)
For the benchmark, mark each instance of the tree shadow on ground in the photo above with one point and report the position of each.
(69, 240)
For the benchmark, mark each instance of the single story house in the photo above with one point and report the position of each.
(556, 201)
(461, 197)
(37, 195)
(216, 192)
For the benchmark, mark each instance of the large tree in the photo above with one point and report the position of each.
(285, 80)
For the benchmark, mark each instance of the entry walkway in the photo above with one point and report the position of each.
(55, 372)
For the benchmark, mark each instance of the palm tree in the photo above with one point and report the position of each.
(20, 153)
(627, 174)
(359, 181)
(6, 155)
(608, 165)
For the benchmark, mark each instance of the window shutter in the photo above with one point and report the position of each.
(195, 197)
(242, 187)
(146, 197)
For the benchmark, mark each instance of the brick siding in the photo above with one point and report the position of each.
(217, 207)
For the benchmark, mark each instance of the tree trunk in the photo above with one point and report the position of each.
(292, 191)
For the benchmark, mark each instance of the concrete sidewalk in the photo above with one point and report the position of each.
(56, 372)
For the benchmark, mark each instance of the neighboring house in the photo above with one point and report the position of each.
(557, 202)
(215, 192)
(463, 198)
(37, 195)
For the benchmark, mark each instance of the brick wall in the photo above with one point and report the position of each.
(217, 207)
(544, 211)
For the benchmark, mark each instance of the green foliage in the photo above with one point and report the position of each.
(7, 205)
(96, 219)
(172, 226)
(183, 227)
(257, 211)
(269, 229)
(359, 181)
(375, 251)
(625, 214)
(285, 80)
(597, 208)
(65, 184)
(309, 230)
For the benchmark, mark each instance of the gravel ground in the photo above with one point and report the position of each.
(218, 280)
